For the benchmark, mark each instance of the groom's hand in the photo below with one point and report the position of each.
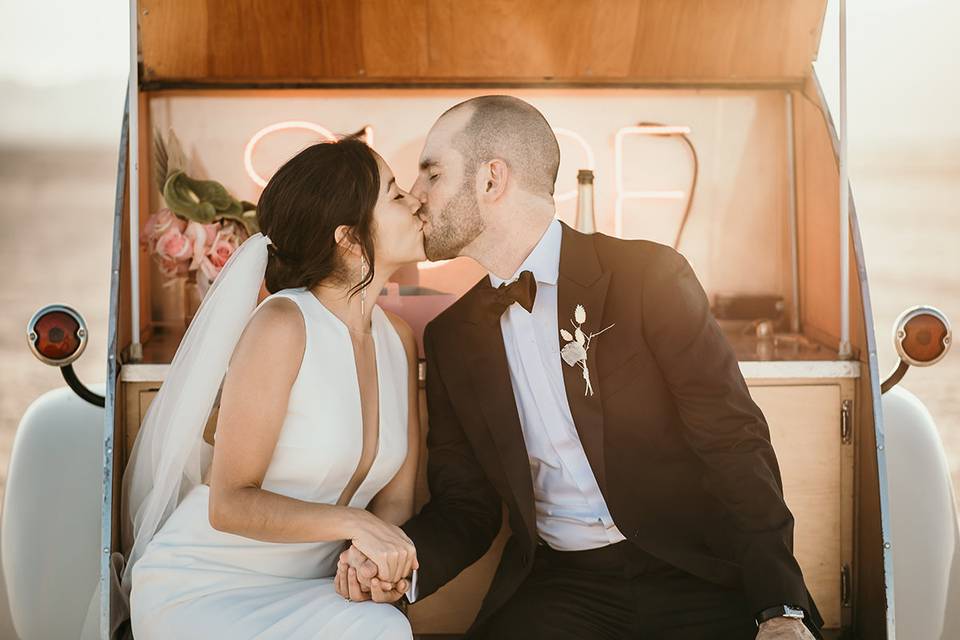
(366, 568)
(380, 594)
(783, 629)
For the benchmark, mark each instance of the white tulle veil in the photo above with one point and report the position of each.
(170, 456)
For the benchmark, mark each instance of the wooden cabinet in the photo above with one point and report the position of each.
(816, 465)
(812, 430)
(805, 416)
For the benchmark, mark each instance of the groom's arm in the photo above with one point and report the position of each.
(457, 526)
(723, 426)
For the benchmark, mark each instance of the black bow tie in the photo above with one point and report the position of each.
(523, 291)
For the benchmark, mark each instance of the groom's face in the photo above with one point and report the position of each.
(446, 188)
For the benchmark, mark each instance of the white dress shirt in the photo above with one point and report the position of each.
(571, 512)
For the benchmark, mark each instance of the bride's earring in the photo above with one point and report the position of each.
(363, 290)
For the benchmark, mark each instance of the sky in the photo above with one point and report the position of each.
(63, 67)
(903, 75)
(50, 42)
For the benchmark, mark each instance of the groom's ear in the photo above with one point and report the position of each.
(495, 176)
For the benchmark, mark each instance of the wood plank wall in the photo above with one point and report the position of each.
(724, 41)
(818, 223)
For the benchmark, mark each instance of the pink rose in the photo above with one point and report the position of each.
(202, 237)
(173, 245)
(224, 245)
(220, 252)
(209, 271)
(157, 225)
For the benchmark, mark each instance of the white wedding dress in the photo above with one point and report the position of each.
(196, 582)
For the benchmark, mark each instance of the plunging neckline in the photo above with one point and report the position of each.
(374, 334)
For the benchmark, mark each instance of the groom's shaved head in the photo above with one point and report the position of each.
(462, 140)
(513, 130)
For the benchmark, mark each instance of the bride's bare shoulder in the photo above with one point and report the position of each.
(276, 331)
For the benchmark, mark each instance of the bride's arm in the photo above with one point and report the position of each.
(394, 503)
(256, 391)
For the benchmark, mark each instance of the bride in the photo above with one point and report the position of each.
(317, 435)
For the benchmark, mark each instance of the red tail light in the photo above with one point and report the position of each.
(57, 335)
(922, 336)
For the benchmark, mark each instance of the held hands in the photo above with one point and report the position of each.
(357, 579)
(783, 629)
(377, 563)
(386, 545)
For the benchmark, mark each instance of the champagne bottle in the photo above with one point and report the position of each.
(586, 222)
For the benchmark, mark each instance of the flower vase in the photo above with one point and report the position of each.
(192, 297)
(167, 301)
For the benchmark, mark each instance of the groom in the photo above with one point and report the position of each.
(586, 385)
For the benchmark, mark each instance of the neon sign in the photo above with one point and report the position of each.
(281, 126)
(588, 151)
(622, 193)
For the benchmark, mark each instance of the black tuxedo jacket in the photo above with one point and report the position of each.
(680, 451)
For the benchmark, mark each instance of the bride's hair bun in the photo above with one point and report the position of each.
(321, 188)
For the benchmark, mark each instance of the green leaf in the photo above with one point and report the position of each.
(203, 201)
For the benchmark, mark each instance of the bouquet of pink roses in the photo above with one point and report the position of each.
(202, 224)
(180, 247)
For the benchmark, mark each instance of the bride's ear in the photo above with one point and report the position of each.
(346, 239)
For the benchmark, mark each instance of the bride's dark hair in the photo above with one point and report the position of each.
(322, 187)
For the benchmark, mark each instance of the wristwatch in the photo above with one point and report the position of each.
(780, 611)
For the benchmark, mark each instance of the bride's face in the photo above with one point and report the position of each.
(398, 231)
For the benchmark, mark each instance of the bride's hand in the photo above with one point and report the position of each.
(387, 546)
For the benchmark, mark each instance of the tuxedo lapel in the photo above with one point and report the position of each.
(490, 373)
(583, 282)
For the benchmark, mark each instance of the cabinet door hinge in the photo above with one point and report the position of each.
(846, 421)
(845, 586)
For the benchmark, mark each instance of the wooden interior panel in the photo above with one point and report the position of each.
(242, 41)
(818, 223)
(146, 187)
(394, 39)
(848, 485)
(123, 331)
(816, 469)
(454, 606)
(868, 611)
(804, 423)
(727, 39)
(124, 305)
(804, 419)
(504, 38)
(869, 576)
(870, 584)
(237, 46)
(689, 41)
(805, 430)
(173, 39)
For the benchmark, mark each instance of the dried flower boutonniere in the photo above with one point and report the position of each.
(578, 343)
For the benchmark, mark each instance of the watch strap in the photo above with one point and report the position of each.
(780, 611)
